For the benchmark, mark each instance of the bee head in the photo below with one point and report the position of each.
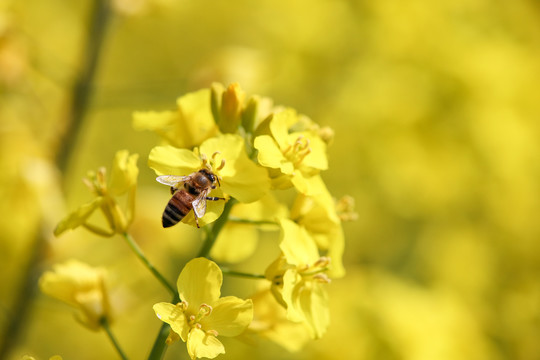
(210, 176)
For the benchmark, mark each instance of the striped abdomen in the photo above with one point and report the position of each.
(178, 207)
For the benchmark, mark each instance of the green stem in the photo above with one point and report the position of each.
(211, 235)
(253, 222)
(82, 87)
(242, 274)
(137, 250)
(105, 325)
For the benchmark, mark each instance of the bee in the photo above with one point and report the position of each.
(191, 196)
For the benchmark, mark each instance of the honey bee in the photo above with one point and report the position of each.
(191, 196)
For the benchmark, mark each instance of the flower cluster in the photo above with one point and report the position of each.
(259, 151)
(239, 167)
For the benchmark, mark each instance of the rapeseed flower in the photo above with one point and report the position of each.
(270, 322)
(295, 157)
(123, 181)
(298, 279)
(81, 286)
(319, 216)
(202, 315)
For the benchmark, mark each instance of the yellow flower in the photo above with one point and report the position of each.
(239, 177)
(82, 287)
(298, 279)
(296, 157)
(123, 182)
(186, 127)
(270, 322)
(202, 315)
(318, 215)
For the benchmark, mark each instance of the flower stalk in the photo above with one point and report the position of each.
(106, 326)
(137, 250)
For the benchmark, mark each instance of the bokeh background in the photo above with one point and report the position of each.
(435, 107)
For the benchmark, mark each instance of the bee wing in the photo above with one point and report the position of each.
(199, 204)
(172, 180)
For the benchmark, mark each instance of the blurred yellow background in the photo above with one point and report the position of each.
(435, 107)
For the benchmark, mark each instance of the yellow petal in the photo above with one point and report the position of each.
(230, 316)
(314, 305)
(196, 122)
(124, 172)
(279, 126)
(174, 316)
(241, 177)
(289, 294)
(78, 217)
(335, 252)
(270, 154)
(296, 244)
(200, 282)
(168, 160)
(187, 127)
(201, 344)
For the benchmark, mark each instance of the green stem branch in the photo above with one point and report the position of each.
(253, 222)
(229, 272)
(137, 250)
(105, 325)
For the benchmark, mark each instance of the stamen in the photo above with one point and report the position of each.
(100, 177)
(322, 278)
(323, 262)
(222, 165)
(204, 159)
(212, 332)
(287, 149)
(302, 155)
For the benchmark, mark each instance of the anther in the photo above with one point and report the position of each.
(212, 332)
(323, 262)
(222, 164)
(322, 278)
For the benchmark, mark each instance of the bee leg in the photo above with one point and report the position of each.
(214, 198)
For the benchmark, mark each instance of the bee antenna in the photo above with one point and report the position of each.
(217, 178)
